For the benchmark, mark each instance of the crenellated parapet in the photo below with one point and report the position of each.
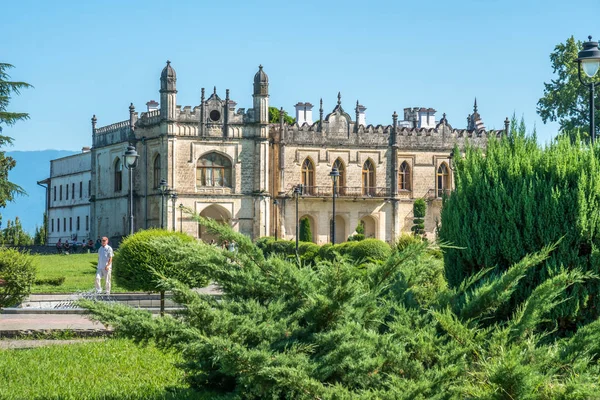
(110, 134)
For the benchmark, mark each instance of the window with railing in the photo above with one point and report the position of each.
(443, 179)
(368, 178)
(404, 177)
(118, 175)
(308, 176)
(213, 169)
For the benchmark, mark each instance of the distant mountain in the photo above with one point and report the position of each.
(32, 166)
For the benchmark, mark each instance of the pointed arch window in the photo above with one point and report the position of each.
(368, 178)
(341, 184)
(118, 178)
(156, 174)
(213, 169)
(443, 180)
(308, 176)
(404, 177)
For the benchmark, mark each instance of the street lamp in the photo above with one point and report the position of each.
(335, 174)
(180, 217)
(589, 60)
(130, 157)
(173, 200)
(297, 192)
(163, 189)
(275, 203)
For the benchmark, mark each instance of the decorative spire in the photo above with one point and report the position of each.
(227, 95)
(339, 98)
(395, 118)
(506, 125)
(475, 106)
(94, 120)
(168, 62)
(202, 96)
(321, 115)
(357, 117)
(214, 90)
(281, 116)
(131, 108)
(469, 122)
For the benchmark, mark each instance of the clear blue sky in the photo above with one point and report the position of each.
(95, 57)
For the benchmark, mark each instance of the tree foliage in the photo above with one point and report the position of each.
(40, 233)
(14, 235)
(17, 275)
(394, 331)
(8, 88)
(565, 99)
(419, 212)
(274, 116)
(517, 198)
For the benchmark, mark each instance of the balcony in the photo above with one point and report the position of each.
(346, 191)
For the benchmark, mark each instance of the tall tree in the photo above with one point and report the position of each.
(8, 88)
(565, 99)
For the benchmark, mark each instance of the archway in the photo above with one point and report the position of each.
(370, 225)
(219, 214)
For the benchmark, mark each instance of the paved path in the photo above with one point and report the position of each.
(42, 322)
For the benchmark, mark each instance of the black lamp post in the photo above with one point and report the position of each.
(173, 200)
(180, 217)
(276, 204)
(335, 174)
(589, 60)
(163, 189)
(297, 192)
(130, 157)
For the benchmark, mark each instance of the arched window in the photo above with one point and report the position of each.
(404, 177)
(308, 176)
(341, 184)
(213, 169)
(156, 175)
(368, 178)
(118, 166)
(443, 180)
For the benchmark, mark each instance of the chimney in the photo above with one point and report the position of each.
(362, 118)
(85, 149)
(304, 113)
(152, 105)
(426, 117)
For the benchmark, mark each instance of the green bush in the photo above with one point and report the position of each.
(17, 275)
(326, 251)
(282, 247)
(305, 232)
(264, 243)
(308, 251)
(371, 249)
(357, 237)
(419, 212)
(154, 251)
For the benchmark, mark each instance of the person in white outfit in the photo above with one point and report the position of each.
(104, 269)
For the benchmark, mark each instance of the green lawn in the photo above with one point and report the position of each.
(113, 369)
(76, 268)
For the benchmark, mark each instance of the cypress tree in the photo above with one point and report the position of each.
(517, 198)
(305, 232)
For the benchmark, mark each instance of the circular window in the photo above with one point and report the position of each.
(215, 115)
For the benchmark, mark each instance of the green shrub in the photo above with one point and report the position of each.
(17, 275)
(154, 251)
(305, 232)
(371, 248)
(356, 237)
(308, 251)
(405, 240)
(51, 281)
(419, 212)
(264, 243)
(326, 251)
(283, 247)
(344, 248)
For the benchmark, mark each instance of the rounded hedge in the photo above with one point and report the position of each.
(371, 248)
(156, 250)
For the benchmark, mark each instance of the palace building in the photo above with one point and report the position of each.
(236, 166)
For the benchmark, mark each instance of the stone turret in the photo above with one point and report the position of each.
(168, 92)
(261, 96)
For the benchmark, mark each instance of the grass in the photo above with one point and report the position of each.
(114, 369)
(77, 270)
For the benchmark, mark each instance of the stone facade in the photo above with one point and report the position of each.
(232, 164)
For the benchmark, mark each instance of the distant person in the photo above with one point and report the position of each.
(59, 247)
(231, 246)
(104, 269)
(90, 245)
(66, 247)
(98, 244)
